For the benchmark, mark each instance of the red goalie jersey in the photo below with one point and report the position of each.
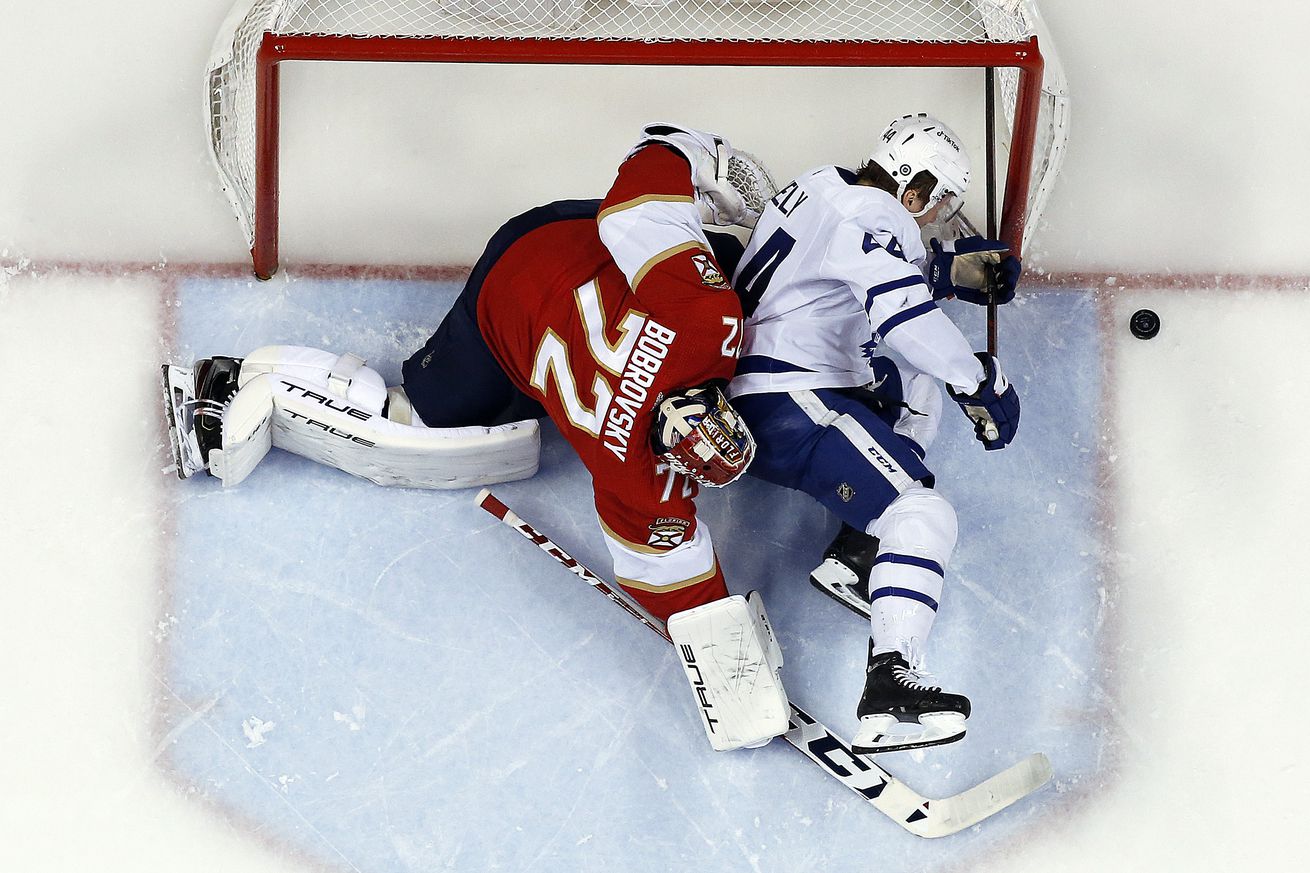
(595, 317)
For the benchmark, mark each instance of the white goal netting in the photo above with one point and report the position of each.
(231, 95)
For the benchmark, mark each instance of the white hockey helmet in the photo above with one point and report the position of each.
(915, 143)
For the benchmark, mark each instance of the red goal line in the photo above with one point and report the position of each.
(1063, 280)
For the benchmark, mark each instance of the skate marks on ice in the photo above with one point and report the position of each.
(418, 703)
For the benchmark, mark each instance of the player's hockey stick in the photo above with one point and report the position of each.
(919, 815)
(993, 280)
(990, 88)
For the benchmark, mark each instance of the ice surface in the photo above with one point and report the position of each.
(390, 680)
(1195, 517)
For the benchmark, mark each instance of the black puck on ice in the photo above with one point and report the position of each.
(1144, 324)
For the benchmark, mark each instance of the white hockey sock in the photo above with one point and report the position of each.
(916, 535)
(904, 595)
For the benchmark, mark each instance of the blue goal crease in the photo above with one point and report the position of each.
(401, 687)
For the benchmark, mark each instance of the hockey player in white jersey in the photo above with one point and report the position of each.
(836, 266)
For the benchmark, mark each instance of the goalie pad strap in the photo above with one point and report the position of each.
(343, 373)
(731, 660)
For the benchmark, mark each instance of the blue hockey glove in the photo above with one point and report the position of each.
(974, 269)
(993, 408)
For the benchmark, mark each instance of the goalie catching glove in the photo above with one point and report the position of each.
(993, 407)
(974, 269)
(699, 434)
(732, 186)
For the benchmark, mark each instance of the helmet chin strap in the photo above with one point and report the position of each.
(928, 204)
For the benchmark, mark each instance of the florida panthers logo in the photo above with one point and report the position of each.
(667, 533)
(709, 271)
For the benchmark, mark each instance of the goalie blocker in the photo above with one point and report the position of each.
(730, 656)
(227, 413)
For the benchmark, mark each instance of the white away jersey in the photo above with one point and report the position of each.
(831, 269)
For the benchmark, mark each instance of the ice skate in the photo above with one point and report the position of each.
(895, 696)
(194, 399)
(844, 573)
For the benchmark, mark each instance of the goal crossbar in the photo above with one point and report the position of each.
(275, 49)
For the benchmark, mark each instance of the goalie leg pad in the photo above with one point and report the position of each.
(180, 404)
(328, 408)
(247, 432)
(731, 658)
(346, 377)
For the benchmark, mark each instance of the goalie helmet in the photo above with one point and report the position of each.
(915, 143)
(699, 434)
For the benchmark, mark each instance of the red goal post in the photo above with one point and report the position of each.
(242, 94)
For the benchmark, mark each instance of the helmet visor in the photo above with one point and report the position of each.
(943, 205)
(948, 206)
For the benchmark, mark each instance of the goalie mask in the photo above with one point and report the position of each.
(917, 143)
(700, 435)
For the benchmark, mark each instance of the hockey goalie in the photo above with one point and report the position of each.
(612, 317)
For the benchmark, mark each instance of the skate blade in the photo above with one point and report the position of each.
(834, 580)
(179, 399)
(877, 733)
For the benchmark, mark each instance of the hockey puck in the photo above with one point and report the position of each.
(1144, 324)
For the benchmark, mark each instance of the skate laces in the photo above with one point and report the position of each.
(204, 407)
(911, 679)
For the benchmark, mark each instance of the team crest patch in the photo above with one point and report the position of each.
(666, 533)
(845, 492)
(709, 271)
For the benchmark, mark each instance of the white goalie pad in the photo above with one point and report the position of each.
(180, 405)
(731, 658)
(328, 408)
(247, 433)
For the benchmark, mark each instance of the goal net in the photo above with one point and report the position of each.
(242, 94)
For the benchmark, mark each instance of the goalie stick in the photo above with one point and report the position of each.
(919, 815)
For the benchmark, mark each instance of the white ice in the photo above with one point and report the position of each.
(311, 673)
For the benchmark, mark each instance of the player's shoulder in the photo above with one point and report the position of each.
(858, 200)
(850, 201)
(864, 212)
